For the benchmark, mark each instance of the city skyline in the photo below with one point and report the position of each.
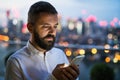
(102, 9)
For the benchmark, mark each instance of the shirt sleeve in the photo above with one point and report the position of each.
(13, 71)
(51, 77)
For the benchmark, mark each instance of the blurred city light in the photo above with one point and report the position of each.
(107, 59)
(15, 21)
(65, 43)
(68, 52)
(110, 36)
(115, 60)
(4, 38)
(5, 30)
(75, 53)
(24, 28)
(81, 51)
(91, 18)
(79, 27)
(103, 23)
(90, 41)
(71, 25)
(106, 51)
(117, 55)
(107, 46)
(116, 46)
(112, 24)
(115, 19)
(93, 50)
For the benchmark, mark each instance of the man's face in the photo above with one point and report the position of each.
(44, 31)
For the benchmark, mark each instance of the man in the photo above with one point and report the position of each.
(39, 60)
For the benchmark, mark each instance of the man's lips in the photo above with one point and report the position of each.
(49, 38)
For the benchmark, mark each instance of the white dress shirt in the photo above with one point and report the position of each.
(29, 63)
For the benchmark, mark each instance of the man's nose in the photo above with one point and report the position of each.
(52, 30)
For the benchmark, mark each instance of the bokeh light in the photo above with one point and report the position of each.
(107, 46)
(107, 59)
(110, 36)
(68, 52)
(115, 60)
(93, 50)
(106, 51)
(81, 51)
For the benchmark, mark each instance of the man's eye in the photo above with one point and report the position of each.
(55, 26)
(46, 26)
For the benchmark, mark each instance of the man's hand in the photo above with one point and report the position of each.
(70, 72)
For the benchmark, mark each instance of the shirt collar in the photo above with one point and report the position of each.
(33, 50)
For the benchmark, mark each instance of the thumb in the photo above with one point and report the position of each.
(60, 65)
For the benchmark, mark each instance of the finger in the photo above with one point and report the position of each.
(68, 75)
(72, 72)
(76, 68)
(61, 64)
(57, 70)
(64, 77)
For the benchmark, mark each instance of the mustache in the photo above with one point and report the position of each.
(49, 35)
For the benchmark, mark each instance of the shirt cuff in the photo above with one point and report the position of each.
(51, 77)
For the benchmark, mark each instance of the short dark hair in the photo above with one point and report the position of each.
(38, 8)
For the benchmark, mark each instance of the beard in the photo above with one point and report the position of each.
(46, 45)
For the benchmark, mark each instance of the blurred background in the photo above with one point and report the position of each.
(86, 27)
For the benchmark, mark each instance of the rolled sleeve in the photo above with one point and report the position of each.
(13, 71)
(51, 77)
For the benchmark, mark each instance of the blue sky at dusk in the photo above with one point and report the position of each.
(102, 9)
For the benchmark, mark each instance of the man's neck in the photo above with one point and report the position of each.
(37, 47)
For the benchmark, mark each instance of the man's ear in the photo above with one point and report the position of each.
(30, 27)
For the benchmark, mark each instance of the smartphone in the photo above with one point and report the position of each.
(77, 60)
